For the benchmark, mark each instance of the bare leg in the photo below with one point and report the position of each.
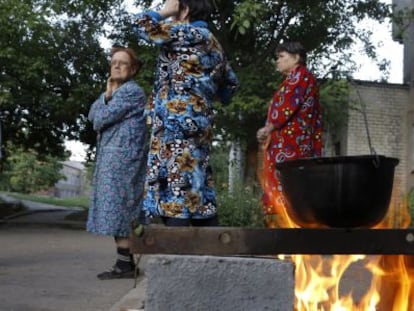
(121, 242)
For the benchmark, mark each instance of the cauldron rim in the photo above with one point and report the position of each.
(339, 204)
(336, 160)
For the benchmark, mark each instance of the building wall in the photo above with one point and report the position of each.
(74, 184)
(410, 141)
(388, 118)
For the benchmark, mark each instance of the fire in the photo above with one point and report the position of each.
(318, 280)
(386, 283)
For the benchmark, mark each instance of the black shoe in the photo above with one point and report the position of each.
(116, 273)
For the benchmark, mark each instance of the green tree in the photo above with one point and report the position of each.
(51, 67)
(24, 173)
(250, 30)
(52, 64)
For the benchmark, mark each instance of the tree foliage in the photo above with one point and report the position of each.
(53, 65)
(25, 173)
(251, 30)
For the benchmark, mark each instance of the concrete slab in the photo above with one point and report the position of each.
(218, 283)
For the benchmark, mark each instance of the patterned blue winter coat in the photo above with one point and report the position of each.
(192, 72)
(118, 179)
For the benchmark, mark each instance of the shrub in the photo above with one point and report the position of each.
(242, 207)
(239, 209)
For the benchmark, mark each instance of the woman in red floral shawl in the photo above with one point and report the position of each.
(293, 127)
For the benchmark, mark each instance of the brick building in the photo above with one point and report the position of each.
(389, 111)
(390, 127)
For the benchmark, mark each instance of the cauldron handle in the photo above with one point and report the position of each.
(376, 160)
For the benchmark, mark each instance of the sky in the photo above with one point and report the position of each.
(386, 48)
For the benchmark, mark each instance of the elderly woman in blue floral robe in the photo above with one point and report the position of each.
(192, 72)
(118, 180)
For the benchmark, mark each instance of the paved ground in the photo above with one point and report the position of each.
(55, 269)
(46, 265)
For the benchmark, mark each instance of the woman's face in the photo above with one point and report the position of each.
(121, 69)
(286, 61)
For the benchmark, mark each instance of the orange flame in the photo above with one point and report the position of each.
(385, 283)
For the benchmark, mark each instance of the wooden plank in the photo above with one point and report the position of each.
(245, 241)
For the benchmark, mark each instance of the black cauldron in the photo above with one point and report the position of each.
(338, 192)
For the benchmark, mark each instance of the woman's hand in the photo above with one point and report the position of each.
(111, 86)
(263, 133)
(171, 8)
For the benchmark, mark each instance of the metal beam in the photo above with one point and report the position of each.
(245, 241)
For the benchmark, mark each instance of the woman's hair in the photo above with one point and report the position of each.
(293, 48)
(136, 63)
(198, 9)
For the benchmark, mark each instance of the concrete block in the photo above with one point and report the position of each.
(218, 283)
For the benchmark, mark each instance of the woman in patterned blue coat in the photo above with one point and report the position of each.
(192, 72)
(118, 181)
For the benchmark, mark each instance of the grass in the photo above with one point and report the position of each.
(81, 201)
(240, 209)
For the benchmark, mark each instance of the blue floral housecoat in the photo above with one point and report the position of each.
(191, 73)
(118, 180)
